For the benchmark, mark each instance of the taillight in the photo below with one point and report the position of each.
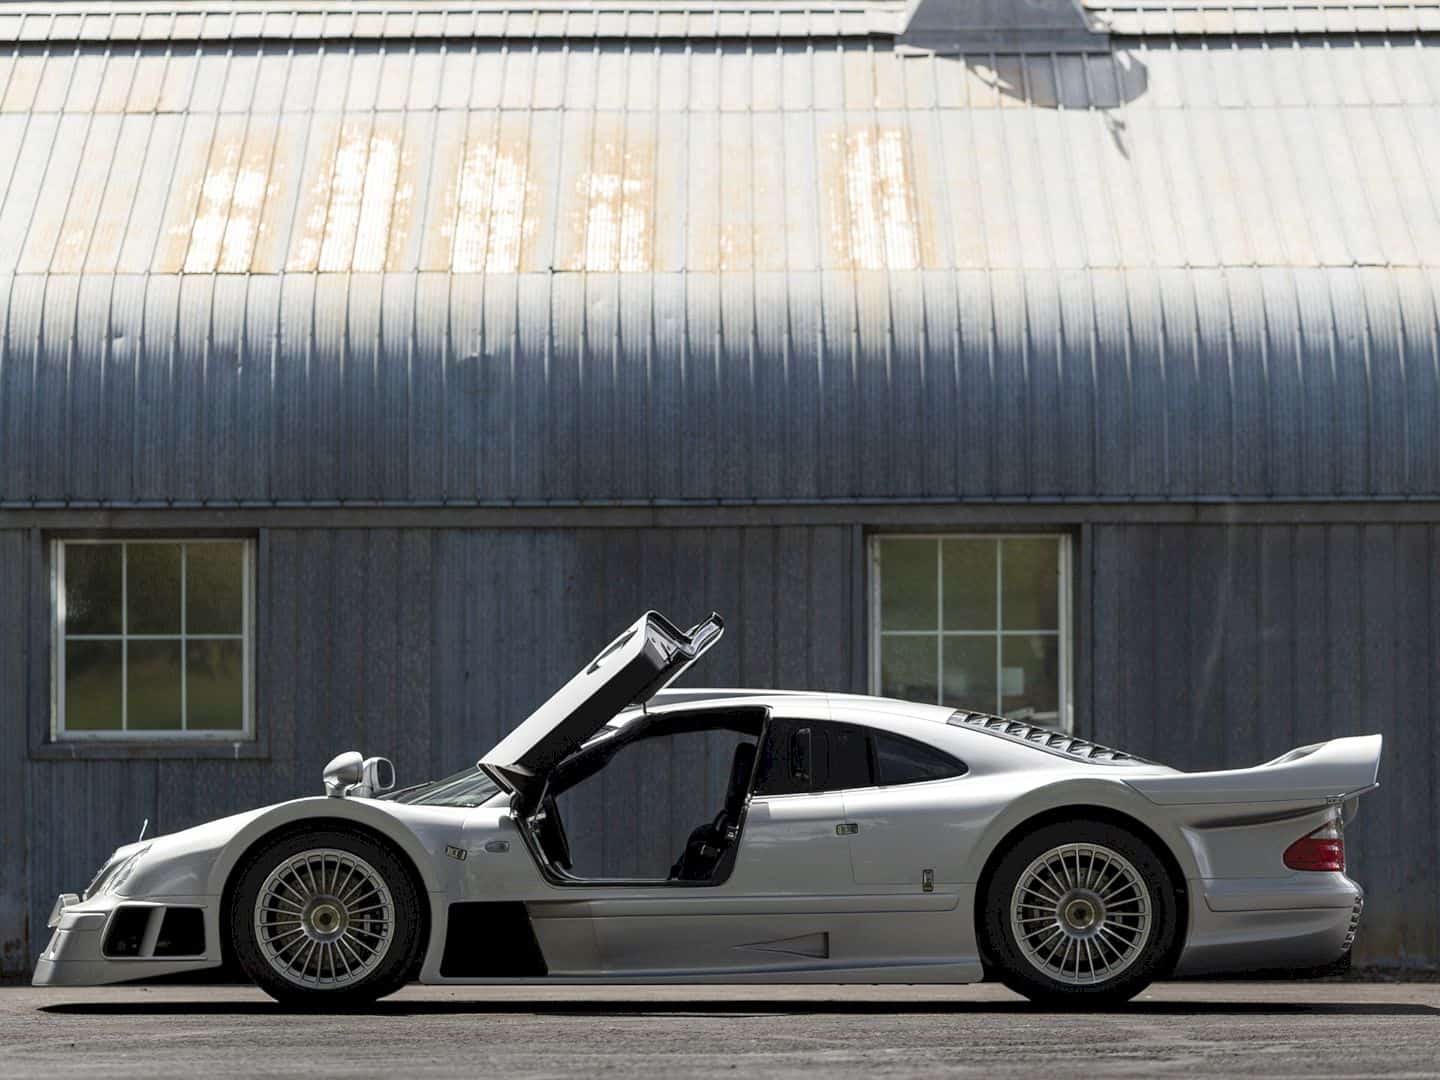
(1323, 849)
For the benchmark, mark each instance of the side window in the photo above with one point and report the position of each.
(900, 761)
(787, 758)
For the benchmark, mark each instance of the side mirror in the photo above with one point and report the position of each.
(378, 777)
(344, 772)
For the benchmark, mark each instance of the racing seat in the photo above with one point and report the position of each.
(710, 841)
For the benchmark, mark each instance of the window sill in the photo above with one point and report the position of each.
(149, 750)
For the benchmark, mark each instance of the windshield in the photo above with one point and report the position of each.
(469, 787)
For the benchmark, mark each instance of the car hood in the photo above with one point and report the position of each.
(645, 658)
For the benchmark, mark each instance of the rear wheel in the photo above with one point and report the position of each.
(1080, 915)
(328, 918)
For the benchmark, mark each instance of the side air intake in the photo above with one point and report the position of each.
(1043, 738)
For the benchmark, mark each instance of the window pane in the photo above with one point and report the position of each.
(1030, 678)
(92, 589)
(907, 585)
(900, 761)
(849, 758)
(907, 668)
(970, 584)
(154, 686)
(214, 579)
(970, 673)
(215, 685)
(92, 685)
(1030, 579)
(152, 588)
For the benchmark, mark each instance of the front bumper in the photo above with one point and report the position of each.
(1292, 924)
(82, 952)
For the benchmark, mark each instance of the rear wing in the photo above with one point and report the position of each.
(1327, 772)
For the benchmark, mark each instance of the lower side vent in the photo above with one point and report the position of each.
(144, 931)
(491, 941)
(182, 933)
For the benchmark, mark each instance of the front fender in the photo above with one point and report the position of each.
(420, 832)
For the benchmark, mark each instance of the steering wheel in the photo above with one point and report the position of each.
(557, 844)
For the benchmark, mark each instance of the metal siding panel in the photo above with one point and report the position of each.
(700, 402)
(977, 397)
(1388, 419)
(1184, 434)
(87, 398)
(496, 406)
(1214, 396)
(1149, 449)
(1354, 445)
(117, 431)
(1284, 389)
(1377, 863)
(16, 831)
(1275, 662)
(772, 432)
(805, 382)
(1422, 379)
(426, 438)
(282, 594)
(222, 457)
(943, 422)
(838, 429)
(875, 432)
(194, 342)
(1109, 720)
(54, 360)
(1014, 413)
(597, 388)
(1075, 348)
(1143, 594)
(1114, 404)
(1248, 375)
(463, 360)
(1202, 594)
(632, 451)
(1241, 641)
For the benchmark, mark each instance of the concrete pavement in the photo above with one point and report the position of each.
(1193, 1029)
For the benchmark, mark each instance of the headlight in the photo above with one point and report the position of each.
(123, 871)
(113, 874)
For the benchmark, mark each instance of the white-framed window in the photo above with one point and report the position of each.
(153, 639)
(976, 621)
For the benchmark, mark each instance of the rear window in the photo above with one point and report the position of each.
(900, 761)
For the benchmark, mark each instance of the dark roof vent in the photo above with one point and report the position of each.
(958, 26)
(1043, 738)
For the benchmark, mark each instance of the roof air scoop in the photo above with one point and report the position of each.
(957, 26)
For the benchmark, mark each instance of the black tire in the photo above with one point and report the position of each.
(398, 956)
(1148, 958)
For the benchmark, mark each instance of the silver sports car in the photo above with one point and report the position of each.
(857, 840)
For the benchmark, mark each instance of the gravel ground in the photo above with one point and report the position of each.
(1189, 1029)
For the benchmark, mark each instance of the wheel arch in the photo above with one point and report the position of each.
(1085, 812)
(237, 855)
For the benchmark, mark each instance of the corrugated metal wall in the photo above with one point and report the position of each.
(424, 645)
(1223, 647)
(789, 269)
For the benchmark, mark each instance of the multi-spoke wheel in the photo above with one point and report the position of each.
(1081, 913)
(326, 916)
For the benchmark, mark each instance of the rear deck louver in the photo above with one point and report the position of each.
(1051, 739)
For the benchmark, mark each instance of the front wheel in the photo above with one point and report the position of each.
(326, 918)
(1080, 915)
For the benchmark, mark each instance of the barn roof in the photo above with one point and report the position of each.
(259, 253)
